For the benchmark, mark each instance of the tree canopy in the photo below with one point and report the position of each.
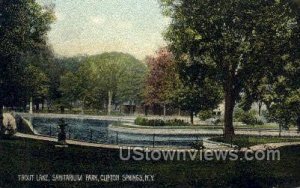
(165, 86)
(103, 78)
(23, 31)
(234, 42)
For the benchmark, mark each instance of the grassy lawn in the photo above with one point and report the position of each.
(247, 141)
(23, 156)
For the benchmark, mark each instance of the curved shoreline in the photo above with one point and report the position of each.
(157, 131)
(129, 127)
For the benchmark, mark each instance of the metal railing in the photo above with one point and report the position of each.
(150, 140)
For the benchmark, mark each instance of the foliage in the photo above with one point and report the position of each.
(282, 96)
(235, 42)
(61, 67)
(78, 85)
(23, 28)
(195, 99)
(132, 82)
(247, 117)
(162, 78)
(204, 115)
(158, 122)
(140, 121)
(100, 79)
(164, 86)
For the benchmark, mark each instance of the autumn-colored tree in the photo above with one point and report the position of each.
(161, 80)
(166, 87)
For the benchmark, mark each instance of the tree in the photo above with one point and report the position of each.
(23, 28)
(283, 96)
(72, 83)
(195, 99)
(233, 42)
(279, 88)
(36, 77)
(161, 80)
(112, 71)
(131, 83)
(165, 86)
(102, 78)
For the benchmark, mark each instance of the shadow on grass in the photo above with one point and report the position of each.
(24, 156)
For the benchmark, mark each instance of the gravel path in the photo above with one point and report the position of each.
(185, 131)
(207, 144)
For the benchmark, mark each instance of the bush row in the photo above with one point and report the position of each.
(158, 122)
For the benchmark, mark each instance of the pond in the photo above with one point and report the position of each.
(96, 131)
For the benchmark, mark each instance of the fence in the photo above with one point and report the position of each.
(124, 139)
(150, 140)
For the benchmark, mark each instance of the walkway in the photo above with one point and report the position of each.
(196, 131)
(272, 146)
(71, 142)
(79, 116)
(207, 144)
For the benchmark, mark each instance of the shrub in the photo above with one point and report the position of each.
(247, 117)
(176, 122)
(156, 122)
(259, 121)
(204, 115)
(159, 122)
(141, 121)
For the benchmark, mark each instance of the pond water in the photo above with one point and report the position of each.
(97, 131)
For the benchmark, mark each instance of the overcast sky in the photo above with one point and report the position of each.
(96, 26)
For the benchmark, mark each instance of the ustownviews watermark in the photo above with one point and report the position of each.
(150, 154)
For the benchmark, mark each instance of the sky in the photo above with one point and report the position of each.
(97, 26)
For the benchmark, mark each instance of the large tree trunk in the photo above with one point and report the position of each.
(229, 106)
(192, 117)
(110, 94)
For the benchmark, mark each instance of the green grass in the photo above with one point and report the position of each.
(23, 156)
(247, 141)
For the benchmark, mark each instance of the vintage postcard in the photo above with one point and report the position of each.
(149, 93)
